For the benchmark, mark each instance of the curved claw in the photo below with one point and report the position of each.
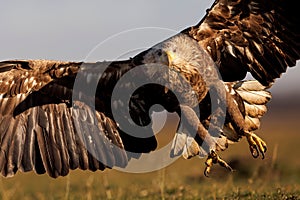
(207, 171)
(209, 163)
(254, 151)
(257, 145)
(213, 158)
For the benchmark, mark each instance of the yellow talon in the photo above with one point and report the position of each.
(256, 144)
(213, 158)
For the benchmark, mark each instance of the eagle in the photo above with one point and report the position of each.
(57, 116)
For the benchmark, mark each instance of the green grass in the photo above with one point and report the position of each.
(275, 177)
(182, 180)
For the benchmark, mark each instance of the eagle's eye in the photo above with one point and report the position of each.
(159, 53)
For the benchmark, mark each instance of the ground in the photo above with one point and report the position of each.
(275, 177)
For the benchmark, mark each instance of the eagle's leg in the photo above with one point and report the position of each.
(213, 158)
(191, 120)
(256, 144)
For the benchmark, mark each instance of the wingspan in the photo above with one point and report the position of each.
(42, 128)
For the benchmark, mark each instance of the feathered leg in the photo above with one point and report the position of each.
(191, 121)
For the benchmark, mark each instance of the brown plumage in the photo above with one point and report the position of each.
(42, 127)
(256, 36)
(40, 131)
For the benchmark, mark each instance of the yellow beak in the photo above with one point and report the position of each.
(170, 56)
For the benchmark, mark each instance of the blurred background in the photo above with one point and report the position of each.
(104, 30)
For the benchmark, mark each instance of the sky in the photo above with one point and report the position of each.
(101, 30)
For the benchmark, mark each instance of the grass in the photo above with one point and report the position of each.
(275, 177)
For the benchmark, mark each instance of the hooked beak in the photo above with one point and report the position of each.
(170, 57)
(169, 60)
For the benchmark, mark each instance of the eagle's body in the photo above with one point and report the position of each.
(48, 125)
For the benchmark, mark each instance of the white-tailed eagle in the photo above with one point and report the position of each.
(48, 126)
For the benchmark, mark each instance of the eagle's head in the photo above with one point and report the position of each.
(186, 62)
(176, 51)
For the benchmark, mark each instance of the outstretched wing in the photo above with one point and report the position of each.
(48, 124)
(41, 129)
(257, 36)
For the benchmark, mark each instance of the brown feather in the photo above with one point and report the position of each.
(267, 31)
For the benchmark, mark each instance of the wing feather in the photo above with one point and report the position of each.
(258, 36)
(15, 149)
(39, 129)
(28, 159)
